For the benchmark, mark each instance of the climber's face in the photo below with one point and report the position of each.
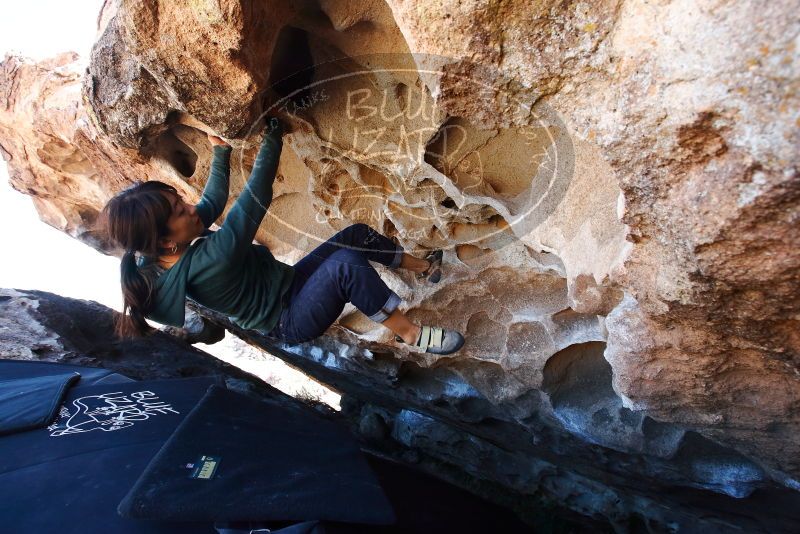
(184, 223)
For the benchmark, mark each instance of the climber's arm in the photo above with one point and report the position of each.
(215, 193)
(243, 219)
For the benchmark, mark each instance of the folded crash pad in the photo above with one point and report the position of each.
(28, 403)
(237, 458)
(258, 527)
(32, 391)
(70, 475)
(10, 369)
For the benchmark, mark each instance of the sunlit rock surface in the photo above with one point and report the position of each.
(615, 186)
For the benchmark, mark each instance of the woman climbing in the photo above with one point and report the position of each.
(225, 271)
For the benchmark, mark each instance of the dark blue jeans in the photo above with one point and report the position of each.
(333, 274)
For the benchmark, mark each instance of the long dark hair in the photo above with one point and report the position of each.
(135, 219)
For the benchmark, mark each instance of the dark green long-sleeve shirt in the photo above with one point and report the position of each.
(226, 271)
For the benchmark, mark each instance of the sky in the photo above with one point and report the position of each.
(35, 255)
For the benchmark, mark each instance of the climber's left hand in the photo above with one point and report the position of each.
(217, 141)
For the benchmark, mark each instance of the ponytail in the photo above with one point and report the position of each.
(137, 296)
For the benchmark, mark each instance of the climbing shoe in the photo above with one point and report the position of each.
(436, 340)
(434, 271)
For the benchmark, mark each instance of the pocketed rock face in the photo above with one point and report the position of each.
(696, 107)
(614, 184)
(53, 152)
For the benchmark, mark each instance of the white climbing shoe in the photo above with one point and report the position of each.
(437, 340)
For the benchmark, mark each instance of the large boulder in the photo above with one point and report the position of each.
(615, 186)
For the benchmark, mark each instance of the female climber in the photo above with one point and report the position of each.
(225, 271)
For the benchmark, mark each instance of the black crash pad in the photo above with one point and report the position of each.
(89, 375)
(262, 462)
(305, 527)
(69, 477)
(32, 402)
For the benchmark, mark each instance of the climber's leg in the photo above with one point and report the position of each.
(344, 276)
(362, 237)
(358, 237)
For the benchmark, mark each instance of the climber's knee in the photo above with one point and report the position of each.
(360, 227)
(357, 229)
(347, 257)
